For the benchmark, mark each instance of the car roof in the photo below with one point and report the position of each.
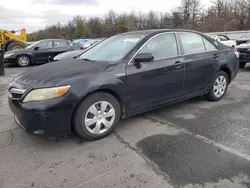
(157, 31)
(51, 39)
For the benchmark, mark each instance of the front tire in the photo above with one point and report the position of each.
(219, 87)
(23, 61)
(96, 116)
(242, 65)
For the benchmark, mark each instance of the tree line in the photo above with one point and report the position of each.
(221, 15)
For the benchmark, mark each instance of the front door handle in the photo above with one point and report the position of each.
(178, 64)
(216, 56)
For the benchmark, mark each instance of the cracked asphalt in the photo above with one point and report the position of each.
(196, 144)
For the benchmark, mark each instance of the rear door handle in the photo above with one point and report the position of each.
(178, 64)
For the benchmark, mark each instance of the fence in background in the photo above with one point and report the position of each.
(231, 34)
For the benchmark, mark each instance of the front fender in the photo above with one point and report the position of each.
(84, 85)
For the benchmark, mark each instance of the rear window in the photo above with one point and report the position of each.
(191, 43)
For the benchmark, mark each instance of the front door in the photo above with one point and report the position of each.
(43, 52)
(200, 58)
(158, 81)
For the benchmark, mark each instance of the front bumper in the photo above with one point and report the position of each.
(9, 61)
(50, 117)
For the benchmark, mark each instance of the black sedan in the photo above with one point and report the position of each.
(75, 53)
(39, 52)
(68, 55)
(125, 75)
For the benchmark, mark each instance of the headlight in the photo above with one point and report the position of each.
(46, 93)
(7, 55)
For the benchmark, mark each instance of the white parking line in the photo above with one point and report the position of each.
(204, 139)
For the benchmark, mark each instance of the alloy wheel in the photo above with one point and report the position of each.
(220, 86)
(99, 117)
(23, 61)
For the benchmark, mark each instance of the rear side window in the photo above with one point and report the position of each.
(60, 43)
(45, 44)
(208, 45)
(161, 46)
(192, 43)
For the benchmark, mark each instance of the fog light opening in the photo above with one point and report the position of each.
(39, 132)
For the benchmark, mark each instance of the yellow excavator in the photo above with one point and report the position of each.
(9, 40)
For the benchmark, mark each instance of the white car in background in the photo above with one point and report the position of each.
(224, 40)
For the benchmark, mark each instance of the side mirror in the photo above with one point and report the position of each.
(143, 57)
(36, 48)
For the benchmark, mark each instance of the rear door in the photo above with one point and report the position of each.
(200, 57)
(45, 50)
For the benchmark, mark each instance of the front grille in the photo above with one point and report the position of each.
(16, 94)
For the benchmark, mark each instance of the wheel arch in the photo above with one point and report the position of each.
(227, 71)
(28, 55)
(110, 91)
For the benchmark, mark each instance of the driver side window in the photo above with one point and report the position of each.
(45, 44)
(161, 46)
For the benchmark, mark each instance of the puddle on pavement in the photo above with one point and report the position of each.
(187, 161)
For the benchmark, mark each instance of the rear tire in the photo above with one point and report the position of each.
(218, 87)
(96, 116)
(242, 65)
(15, 45)
(23, 61)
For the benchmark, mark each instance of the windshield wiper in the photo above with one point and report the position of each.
(86, 59)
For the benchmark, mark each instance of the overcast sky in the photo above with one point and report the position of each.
(36, 14)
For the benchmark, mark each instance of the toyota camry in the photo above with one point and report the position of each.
(126, 74)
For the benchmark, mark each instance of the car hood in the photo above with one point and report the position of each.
(49, 75)
(70, 54)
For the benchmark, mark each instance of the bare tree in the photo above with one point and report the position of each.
(222, 15)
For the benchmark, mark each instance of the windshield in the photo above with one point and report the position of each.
(32, 45)
(114, 48)
(246, 36)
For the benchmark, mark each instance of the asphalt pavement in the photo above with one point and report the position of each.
(196, 143)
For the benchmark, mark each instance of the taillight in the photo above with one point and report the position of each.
(237, 55)
(82, 47)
